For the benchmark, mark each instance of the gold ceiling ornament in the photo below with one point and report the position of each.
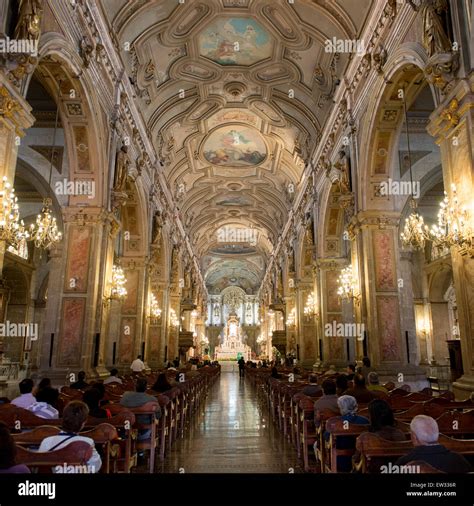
(8, 105)
(12, 229)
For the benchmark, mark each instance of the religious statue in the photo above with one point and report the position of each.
(29, 20)
(435, 38)
(121, 169)
(157, 228)
(344, 179)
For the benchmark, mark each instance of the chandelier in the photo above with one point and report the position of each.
(453, 223)
(173, 318)
(44, 232)
(12, 230)
(261, 339)
(310, 308)
(415, 232)
(347, 284)
(118, 290)
(290, 321)
(155, 310)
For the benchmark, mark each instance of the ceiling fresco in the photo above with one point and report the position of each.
(235, 41)
(234, 95)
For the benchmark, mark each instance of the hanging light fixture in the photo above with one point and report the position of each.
(310, 309)
(44, 232)
(290, 321)
(415, 232)
(12, 229)
(173, 318)
(453, 223)
(347, 284)
(118, 290)
(155, 311)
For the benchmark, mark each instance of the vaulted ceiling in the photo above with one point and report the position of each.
(235, 94)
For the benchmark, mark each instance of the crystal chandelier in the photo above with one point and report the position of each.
(173, 318)
(290, 321)
(415, 232)
(155, 310)
(453, 223)
(44, 232)
(118, 290)
(12, 230)
(347, 284)
(310, 306)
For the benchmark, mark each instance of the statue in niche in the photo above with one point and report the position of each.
(30, 13)
(122, 165)
(157, 228)
(435, 39)
(344, 179)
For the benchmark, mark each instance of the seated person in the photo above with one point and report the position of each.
(341, 384)
(113, 378)
(351, 368)
(359, 391)
(100, 387)
(382, 423)
(296, 373)
(92, 397)
(374, 386)
(162, 384)
(26, 398)
(313, 389)
(348, 408)
(137, 399)
(275, 373)
(80, 384)
(44, 383)
(366, 367)
(328, 401)
(74, 418)
(46, 400)
(331, 371)
(8, 462)
(424, 432)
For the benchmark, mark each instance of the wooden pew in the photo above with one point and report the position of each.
(76, 453)
(17, 419)
(339, 431)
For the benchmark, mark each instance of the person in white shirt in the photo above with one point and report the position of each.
(113, 378)
(26, 399)
(137, 365)
(74, 418)
(44, 405)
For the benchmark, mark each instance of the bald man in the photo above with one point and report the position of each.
(424, 436)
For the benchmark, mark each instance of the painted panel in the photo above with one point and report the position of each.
(385, 276)
(71, 332)
(127, 340)
(389, 328)
(77, 269)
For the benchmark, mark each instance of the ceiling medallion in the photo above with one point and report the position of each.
(235, 88)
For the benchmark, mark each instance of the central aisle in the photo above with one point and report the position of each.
(231, 434)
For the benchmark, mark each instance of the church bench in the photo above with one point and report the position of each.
(18, 419)
(341, 442)
(76, 453)
(376, 452)
(307, 430)
(457, 424)
(152, 441)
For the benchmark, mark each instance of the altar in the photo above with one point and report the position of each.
(232, 346)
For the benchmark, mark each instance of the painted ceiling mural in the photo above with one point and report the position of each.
(235, 146)
(212, 80)
(235, 41)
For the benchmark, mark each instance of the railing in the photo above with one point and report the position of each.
(9, 371)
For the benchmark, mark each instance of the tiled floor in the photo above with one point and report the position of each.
(232, 434)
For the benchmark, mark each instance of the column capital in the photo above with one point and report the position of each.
(15, 112)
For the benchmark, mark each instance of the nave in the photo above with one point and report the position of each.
(232, 434)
